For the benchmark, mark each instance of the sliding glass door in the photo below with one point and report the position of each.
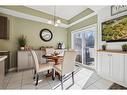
(77, 45)
(84, 43)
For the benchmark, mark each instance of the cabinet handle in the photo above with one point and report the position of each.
(109, 54)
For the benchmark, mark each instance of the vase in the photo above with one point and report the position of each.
(22, 48)
(124, 49)
(103, 48)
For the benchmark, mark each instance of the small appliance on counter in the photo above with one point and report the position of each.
(60, 45)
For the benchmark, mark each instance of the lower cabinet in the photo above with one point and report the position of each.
(1, 74)
(125, 71)
(113, 66)
(104, 64)
(117, 67)
(25, 60)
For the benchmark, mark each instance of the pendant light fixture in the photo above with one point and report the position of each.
(56, 21)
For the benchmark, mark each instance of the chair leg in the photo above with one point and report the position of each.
(48, 71)
(53, 74)
(62, 82)
(34, 74)
(37, 78)
(73, 77)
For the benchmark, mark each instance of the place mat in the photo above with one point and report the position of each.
(115, 86)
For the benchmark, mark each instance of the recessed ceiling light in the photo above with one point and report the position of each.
(58, 21)
(56, 24)
(49, 22)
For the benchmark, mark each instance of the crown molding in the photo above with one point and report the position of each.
(27, 16)
(39, 19)
(82, 19)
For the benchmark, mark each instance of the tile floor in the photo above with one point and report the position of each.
(84, 79)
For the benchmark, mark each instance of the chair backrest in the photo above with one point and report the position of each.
(49, 51)
(39, 54)
(68, 62)
(35, 58)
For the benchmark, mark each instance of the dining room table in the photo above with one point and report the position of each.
(56, 59)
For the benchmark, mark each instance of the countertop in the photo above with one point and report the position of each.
(113, 51)
(2, 58)
(4, 51)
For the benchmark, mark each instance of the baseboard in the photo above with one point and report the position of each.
(86, 67)
(12, 69)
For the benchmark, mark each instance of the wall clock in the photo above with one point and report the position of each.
(46, 35)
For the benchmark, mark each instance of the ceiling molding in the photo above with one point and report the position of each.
(40, 19)
(67, 13)
(84, 18)
(26, 10)
(82, 14)
(27, 16)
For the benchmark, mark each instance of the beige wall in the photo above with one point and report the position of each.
(31, 29)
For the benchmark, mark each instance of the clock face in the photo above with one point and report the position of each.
(46, 35)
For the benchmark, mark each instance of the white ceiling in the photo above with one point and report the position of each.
(65, 12)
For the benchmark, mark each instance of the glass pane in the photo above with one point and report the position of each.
(77, 45)
(88, 47)
(84, 44)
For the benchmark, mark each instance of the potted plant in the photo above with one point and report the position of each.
(124, 47)
(104, 47)
(22, 42)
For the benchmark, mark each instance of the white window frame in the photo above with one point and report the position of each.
(85, 29)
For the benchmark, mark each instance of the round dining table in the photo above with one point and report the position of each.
(54, 59)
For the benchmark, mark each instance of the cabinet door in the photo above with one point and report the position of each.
(30, 60)
(1, 74)
(117, 67)
(3, 28)
(125, 74)
(104, 64)
(22, 60)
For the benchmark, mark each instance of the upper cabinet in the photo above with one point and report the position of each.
(3, 28)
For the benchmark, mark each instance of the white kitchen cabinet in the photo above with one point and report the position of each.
(2, 64)
(25, 60)
(125, 71)
(117, 67)
(2, 71)
(113, 66)
(30, 61)
(104, 64)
